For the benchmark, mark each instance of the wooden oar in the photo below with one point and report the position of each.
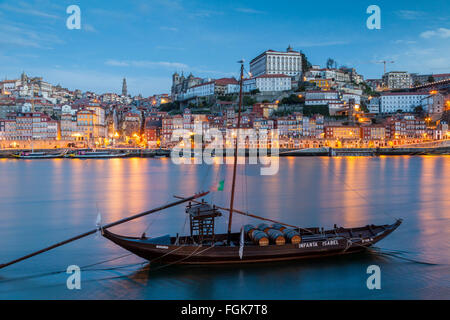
(112, 224)
(253, 216)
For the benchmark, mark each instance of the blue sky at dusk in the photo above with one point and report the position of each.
(146, 41)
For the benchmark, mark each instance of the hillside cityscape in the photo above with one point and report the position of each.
(311, 106)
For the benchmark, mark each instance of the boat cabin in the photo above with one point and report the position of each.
(201, 217)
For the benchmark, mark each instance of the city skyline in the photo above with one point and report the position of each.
(147, 42)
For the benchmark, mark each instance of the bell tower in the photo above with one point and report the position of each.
(124, 87)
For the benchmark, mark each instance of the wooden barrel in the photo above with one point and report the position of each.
(248, 230)
(276, 236)
(278, 226)
(292, 236)
(260, 238)
(263, 227)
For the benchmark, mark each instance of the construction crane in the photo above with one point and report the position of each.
(384, 62)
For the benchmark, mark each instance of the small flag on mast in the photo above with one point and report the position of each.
(219, 186)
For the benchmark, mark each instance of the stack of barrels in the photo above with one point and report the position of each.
(291, 235)
(276, 234)
(257, 236)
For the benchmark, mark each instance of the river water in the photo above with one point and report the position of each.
(46, 201)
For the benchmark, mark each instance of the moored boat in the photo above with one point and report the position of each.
(96, 155)
(37, 155)
(189, 250)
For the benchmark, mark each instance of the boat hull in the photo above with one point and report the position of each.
(103, 156)
(48, 156)
(331, 243)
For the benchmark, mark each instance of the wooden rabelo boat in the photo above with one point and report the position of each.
(267, 242)
(193, 250)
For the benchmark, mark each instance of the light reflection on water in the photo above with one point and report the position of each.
(47, 201)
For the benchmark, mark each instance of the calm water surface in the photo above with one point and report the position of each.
(45, 201)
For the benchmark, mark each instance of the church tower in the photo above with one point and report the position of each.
(124, 87)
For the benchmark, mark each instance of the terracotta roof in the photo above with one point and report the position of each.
(225, 81)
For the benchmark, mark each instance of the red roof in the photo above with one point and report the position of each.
(225, 81)
(442, 75)
(220, 82)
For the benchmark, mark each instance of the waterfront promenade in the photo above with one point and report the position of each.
(434, 149)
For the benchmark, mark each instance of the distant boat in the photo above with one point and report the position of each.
(38, 155)
(96, 155)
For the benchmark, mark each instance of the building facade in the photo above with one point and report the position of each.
(275, 62)
(391, 102)
(397, 80)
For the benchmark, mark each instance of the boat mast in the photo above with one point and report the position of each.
(233, 185)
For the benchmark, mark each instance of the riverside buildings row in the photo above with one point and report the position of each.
(277, 81)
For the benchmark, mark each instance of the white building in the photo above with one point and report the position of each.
(332, 99)
(68, 126)
(68, 109)
(268, 83)
(275, 62)
(322, 98)
(374, 105)
(332, 74)
(397, 80)
(8, 86)
(216, 87)
(351, 96)
(391, 102)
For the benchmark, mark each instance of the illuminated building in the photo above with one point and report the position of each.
(275, 62)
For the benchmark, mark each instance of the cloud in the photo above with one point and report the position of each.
(443, 33)
(410, 14)
(88, 27)
(145, 64)
(204, 14)
(249, 10)
(321, 44)
(404, 42)
(24, 37)
(25, 8)
(112, 15)
(169, 29)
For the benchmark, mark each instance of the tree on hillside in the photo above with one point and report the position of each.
(306, 65)
(248, 101)
(293, 99)
(170, 106)
(331, 63)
